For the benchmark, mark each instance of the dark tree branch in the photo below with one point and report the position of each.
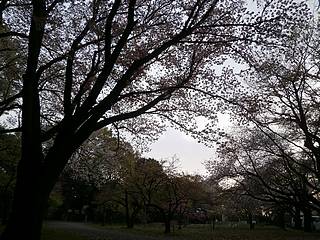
(11, 130)
(13, 34)
(69, 68)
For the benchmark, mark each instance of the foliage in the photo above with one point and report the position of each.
(184, 47)
(100, 158)
(146, 191)
(132, 65)
(274, 155)
(10, 72)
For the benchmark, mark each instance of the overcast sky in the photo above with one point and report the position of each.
(176, 144)
(191, 154)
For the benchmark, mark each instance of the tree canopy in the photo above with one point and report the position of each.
(275, 154)
(128, 64)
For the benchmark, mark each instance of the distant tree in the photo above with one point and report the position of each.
(176, 197)
(98, 164)
(276, 98)
(144, 187)
(197, 199)
(138, 180)
(91, 64)
(142, 179)
(231, 199)
(100, 158)
(267, 172)
(107, 202)
(77, 194)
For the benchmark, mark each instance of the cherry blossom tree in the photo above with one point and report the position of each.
(128, 64)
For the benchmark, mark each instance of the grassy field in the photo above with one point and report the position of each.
(204, 232)
(193, 232)
(51, 234)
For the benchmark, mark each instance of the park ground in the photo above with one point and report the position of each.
(82, 231)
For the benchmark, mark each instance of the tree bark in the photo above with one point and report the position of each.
(32, 191)
(29, 205)
(30, 200)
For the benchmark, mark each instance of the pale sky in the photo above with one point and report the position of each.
(191, 154)
(174, 143)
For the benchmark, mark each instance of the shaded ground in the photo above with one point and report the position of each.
(94, 233)
(192, 232)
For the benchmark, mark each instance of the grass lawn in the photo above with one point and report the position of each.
(192, 232)
(52, 234)
(203, 232)
(260, 233)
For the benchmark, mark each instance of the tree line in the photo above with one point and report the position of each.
(273, 154)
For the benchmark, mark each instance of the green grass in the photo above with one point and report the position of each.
(222, 232)
(260, 233)
(53, 234)
(194, 232)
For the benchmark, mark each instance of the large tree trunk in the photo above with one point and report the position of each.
(36, 177)
(30, 199)
(29, 204)
(26, 217)
(34, 184)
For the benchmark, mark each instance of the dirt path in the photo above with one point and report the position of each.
(93, 233)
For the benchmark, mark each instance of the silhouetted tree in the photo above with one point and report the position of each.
(132, 64)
